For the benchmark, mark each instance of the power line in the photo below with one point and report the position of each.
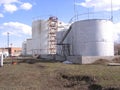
(75, 11)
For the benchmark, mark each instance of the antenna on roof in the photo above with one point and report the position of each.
(75, 12)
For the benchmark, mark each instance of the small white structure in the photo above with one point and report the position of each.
(1, 60)
(4, 51)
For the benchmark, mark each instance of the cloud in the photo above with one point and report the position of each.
(10, 8)
(26, 6)
(8, 1)
(101, 5)
(1, 15)
(14, 5)
(15, 29)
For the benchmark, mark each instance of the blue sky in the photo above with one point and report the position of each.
(16, 16)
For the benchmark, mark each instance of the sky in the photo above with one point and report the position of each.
(16, 16)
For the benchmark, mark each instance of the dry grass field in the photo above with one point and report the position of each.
(39, 75)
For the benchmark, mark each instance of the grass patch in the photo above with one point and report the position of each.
(40, 75)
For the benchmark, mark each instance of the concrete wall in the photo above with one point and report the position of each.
(89, 59)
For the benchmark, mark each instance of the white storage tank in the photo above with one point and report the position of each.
(29, 46)
(91, 38)
(24, 46)
(40, 37)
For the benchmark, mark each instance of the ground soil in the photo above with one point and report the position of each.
(40, 75)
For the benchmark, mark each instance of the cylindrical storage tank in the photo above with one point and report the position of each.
(29, 46)
(40, 36)
(92, 38)
(24, 46)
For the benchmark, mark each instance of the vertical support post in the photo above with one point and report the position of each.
(1, 60)
(8, 39)
(111, 11)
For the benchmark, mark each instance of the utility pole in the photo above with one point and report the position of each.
(111, 11)
(1, 60)
(8, 39)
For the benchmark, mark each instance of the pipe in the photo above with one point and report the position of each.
(65, 35)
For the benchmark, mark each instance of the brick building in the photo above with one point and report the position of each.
(11, 51)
